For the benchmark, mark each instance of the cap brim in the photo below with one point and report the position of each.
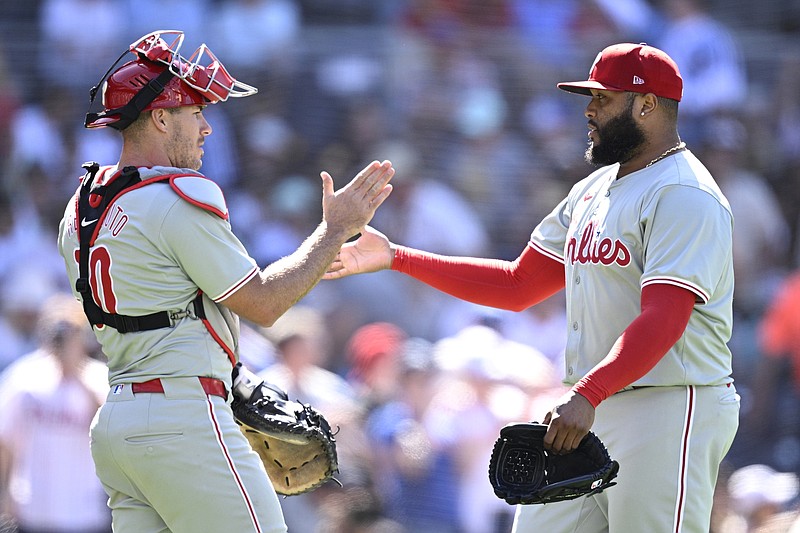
(583, 87)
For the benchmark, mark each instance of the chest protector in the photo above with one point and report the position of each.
(93, 202)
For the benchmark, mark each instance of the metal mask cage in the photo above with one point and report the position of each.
(212, 80)
(202, 71)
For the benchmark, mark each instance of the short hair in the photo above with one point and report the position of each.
(136, 128)
(670, 107)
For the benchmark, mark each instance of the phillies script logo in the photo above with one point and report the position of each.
(593, 250)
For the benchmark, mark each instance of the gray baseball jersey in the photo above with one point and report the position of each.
(668, 223)
(158, 454)
(155, 249)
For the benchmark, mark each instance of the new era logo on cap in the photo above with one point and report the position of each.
(631, 67)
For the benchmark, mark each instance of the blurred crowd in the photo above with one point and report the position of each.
(460, 95)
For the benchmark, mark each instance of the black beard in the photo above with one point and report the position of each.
(620, 139)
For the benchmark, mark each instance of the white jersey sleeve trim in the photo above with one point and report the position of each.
(552, 255)
(202, 192)
(236, 286)
(703, 295)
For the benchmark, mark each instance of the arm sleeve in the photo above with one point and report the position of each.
(512, 285)
(665, 313)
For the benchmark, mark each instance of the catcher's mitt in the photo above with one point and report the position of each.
(521, 471)
(294, 440)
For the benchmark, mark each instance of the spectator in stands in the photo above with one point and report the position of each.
(374, 352)
(478, 386)
(48, 399)
(417, 477)
(19, 34)
(489, 162)
(302, 360)
(258, 36)
(37, 136)
(760, 498)
(23, 294)
(546, 29)
(10, 101)
(776, 389)
(427, 211)
(76, 36)
(302, 355)
(761, 236)
(779, 139)
(190, 16)
(285, 216)
(712, 65)
(356, 510)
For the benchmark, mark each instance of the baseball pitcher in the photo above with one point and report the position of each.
(643, 249)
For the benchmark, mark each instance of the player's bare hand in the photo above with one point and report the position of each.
(568, 422)
(350, 208)
(371, 252)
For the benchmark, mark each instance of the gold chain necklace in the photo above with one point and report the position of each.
(679, 146)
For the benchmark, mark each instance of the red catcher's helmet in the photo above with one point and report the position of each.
(132, 77)
(160, 77)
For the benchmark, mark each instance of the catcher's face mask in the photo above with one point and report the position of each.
(160, 77)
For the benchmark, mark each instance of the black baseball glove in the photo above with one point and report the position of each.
(294, 440)
(521, 471)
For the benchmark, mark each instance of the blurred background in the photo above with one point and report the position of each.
(460, 95)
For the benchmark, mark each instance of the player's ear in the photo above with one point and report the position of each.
(646, 104)
(159, 118)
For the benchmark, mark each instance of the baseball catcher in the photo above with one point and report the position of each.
(521, 471)
(294, 440)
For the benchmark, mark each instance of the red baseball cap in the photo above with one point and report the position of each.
(637, 68)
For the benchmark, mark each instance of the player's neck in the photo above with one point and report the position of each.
(651, 154)
(145, 152)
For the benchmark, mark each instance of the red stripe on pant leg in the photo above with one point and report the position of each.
(684, 460)
(232, 467)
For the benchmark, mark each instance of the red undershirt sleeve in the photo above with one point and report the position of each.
(512, 285)
(665, 313)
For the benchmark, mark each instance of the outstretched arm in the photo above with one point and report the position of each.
(371, 252)
(512, 285)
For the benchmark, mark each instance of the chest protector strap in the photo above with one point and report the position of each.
(93, 201)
